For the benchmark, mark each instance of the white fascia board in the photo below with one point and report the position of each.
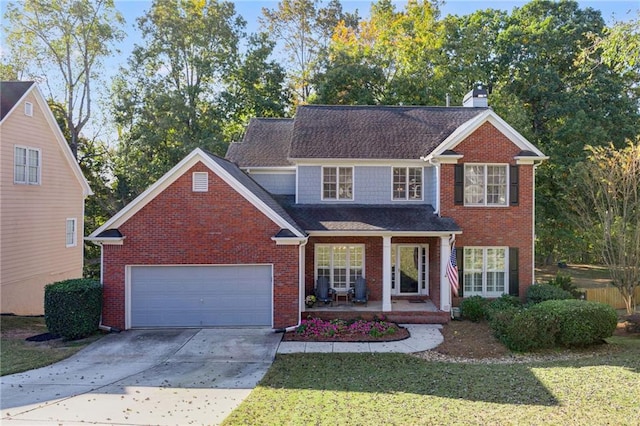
(382, 233)
(289, 241)
(529, 160)
(472, 125)
(197, 155)
(114, 241)
(359, 162)
(269, 170)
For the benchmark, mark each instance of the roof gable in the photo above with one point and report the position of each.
(17, 87)
(228, 172)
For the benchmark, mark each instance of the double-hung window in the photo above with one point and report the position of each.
(337, 183)
(485, 184)
(71, 239)
(26, 165)
(485, 271)
(407, 183)
(342, 264)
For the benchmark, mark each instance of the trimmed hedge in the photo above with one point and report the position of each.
(72, 308)
(569, 323)
(538, 293)
(502, 303)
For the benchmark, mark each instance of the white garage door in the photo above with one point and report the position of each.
(201, 296)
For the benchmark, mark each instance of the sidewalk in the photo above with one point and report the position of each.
(423, 337)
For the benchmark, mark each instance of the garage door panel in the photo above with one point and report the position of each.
(198, 296)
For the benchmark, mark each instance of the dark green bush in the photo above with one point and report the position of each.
(579, 322)
(541, 292)
(552, 323)
(502, 303)
(72, 307)
(472, 308)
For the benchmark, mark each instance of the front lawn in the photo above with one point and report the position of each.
(18, 355)
(395, 389)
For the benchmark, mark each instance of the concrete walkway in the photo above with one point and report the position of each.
(423, 337)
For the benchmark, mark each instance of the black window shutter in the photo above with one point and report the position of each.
(514, 283)
(514, 187)
(460, 263)
(458, 184)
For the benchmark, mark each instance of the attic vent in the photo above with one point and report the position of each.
(28, 109)
(200, 182)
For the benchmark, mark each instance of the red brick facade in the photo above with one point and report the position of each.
(182, 227)
(510, 226)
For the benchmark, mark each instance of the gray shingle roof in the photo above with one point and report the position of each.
(374, 132)
(407, 218)
(256, 189)
(10, 93)
(265, 144)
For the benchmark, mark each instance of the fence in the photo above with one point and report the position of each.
(610, 296)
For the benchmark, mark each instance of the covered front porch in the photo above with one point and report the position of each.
(407, 311)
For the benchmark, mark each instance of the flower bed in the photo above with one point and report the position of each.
(317, 330)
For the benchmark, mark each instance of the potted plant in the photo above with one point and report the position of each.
(309, 301)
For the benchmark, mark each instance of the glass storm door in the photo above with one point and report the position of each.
(409, 270)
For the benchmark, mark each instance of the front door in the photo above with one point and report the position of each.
(410, 269)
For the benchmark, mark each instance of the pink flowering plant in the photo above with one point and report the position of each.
(315, 327)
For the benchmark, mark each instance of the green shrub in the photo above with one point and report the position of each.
(502, 303)
(472, 308)
(579, 322)
(552, 323)
(72, 308)
(541, 292)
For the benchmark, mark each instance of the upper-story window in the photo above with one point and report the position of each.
(337, 183)
(70, 235)
(26, 169)
(485, 184)
(28, 109)
(407, 183)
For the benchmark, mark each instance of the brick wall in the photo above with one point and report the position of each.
(493, 226)
(183, 227)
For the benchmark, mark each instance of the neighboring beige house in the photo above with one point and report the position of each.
(42, 193)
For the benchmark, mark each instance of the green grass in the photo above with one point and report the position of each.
(396, 389)
(583, 276)
(18, 355)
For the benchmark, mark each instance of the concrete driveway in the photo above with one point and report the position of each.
(144, 377)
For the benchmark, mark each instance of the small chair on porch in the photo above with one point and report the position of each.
(324, 293)
(360, 292)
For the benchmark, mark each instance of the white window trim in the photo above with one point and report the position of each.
(337, 198)
(486, 204)
(74, 236)
(406, 198)
(26, 181)
(28, 109)
(331, 268)
(484, 292)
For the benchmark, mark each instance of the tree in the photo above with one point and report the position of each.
(305, 28)
(66, 41)
(607, 208)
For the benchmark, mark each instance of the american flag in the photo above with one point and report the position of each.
(452, 270)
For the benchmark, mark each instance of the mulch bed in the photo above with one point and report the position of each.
(401, 334)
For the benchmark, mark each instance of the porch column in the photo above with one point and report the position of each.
(386, 273)
(445, 288)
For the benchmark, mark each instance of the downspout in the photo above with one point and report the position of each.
(101, 326)
(301, 271)
(533, 227)
(429, 159)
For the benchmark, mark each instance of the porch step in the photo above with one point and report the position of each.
(404, 317)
